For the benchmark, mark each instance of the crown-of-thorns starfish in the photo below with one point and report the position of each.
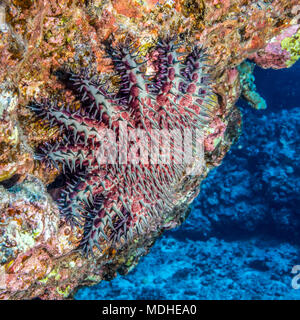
(115, 201)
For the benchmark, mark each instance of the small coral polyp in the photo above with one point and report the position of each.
(116, 200)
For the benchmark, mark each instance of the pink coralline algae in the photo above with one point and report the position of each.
(215, 134)
(274, 55)
(115, 200)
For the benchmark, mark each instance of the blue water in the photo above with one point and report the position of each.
(242, 237)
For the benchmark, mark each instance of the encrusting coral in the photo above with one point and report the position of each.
(248, 87)
(282, 51)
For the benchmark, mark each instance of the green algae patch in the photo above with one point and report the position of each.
(292, 45)
(64, 292)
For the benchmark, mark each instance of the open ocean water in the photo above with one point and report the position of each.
(242, 238)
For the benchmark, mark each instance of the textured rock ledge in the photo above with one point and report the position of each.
(36, 38)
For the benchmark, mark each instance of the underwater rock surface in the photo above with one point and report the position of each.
(241, 238)
(212, 269)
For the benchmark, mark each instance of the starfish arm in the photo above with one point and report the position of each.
(132, 81)
(96, 101)
(197, 83)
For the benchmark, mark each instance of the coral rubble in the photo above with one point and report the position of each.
(38, 39)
